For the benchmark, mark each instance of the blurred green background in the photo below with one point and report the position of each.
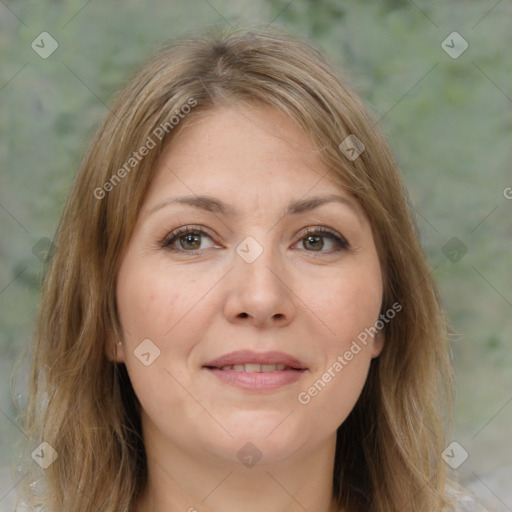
(447, 117)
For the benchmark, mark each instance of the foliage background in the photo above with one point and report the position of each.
(448, 122)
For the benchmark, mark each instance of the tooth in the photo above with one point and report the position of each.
(226, 368)
(280, 367)
(253, 368)
(238, 367)
(268, 367)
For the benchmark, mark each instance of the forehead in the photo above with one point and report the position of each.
(243, 162)
(241, 149)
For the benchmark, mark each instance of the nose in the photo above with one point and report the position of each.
(260, 292)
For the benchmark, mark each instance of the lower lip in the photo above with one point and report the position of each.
(257, 381)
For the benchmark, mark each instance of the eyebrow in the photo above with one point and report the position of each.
(214, 205)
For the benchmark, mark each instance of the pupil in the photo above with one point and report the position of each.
(311, 239)
(191, 239)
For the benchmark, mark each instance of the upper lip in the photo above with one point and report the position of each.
(250, 357)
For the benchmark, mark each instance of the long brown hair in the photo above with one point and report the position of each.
(388, 453)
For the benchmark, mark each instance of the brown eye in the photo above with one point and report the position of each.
(314, 241)
(190, 241)
(185, 239)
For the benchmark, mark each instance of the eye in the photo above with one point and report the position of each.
(313, 240)
(187, 238)
(190, 239)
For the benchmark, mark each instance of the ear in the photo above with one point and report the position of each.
(378, 344)
(113, 349)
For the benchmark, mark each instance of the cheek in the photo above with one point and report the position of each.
(153, 305)
(350, 304)
(141, 302)
(349, 307)
(334, 388)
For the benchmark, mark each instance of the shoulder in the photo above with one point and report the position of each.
(468, 504)
(464, 501)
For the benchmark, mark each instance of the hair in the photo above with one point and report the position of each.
(388, 450)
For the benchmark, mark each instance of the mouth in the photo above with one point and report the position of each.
(252, 371)
(254, 368)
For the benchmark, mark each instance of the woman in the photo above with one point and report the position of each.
(238, 313)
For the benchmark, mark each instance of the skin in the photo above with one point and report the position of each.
(203, 300)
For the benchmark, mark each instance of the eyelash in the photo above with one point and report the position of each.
(166, 243)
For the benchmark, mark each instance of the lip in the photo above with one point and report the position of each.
(250, 357)
(257, 381)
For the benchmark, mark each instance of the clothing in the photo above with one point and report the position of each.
(466, 502)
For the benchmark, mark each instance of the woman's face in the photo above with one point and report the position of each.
(242, 299)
